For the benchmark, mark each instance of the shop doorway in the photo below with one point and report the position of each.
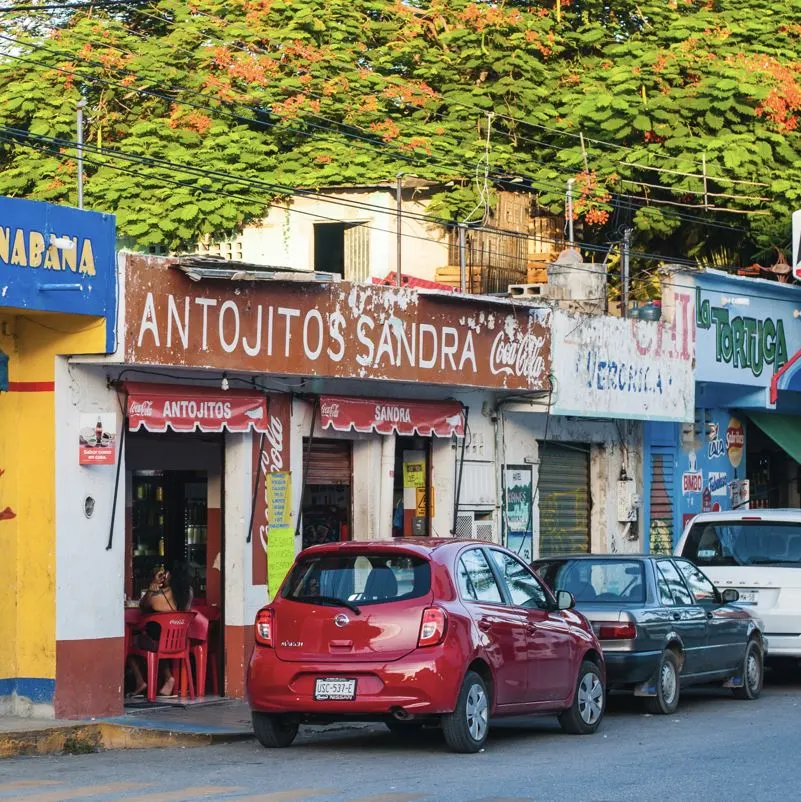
(412, 507)
(327, 503)
(773, 475)
(174, 515)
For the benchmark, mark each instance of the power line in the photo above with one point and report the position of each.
(54, 145)
(478, 110)
(250, 120)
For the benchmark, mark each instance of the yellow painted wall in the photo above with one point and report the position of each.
(27, 486)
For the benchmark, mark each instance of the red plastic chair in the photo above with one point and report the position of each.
(173, 644)
(205, 657)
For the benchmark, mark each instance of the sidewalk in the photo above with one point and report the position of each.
(195, 724)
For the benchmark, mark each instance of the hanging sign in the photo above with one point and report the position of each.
(270, 455)
(517, 510)
(424, 418)
(280, 556)
(183, 408)
(279, 499)
(97, 440)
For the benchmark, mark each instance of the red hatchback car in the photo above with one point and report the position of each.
(414, 632)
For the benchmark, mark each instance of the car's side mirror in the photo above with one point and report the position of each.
(565, 600)
(730, 595)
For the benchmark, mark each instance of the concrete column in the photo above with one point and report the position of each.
(387, 486)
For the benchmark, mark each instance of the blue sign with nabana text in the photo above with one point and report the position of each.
(58, 259)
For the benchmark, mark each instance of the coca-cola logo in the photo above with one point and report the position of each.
(330, 409)
(518, 355)
(143, 409)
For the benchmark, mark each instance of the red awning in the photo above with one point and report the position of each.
(441, 418)
(183, 408)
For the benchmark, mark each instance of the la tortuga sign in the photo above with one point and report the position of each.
(337, 330)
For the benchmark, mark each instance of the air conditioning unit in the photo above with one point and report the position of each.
(484, 530)
(464, 524)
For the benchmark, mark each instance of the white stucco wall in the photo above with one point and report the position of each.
(285, 237)
(89, 578)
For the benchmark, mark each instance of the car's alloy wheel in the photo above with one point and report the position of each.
(466, 728)
(585, 713)
(667, 685)
(752, 672)
(590, 698)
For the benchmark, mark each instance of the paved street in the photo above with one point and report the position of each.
(715, 748)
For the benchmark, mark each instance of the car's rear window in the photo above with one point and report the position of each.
(603, 581)
(368, 578)
(744, 543)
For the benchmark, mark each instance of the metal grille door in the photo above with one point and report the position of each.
(564, 499)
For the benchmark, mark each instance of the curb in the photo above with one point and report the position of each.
(81, 739)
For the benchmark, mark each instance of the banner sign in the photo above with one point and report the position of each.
(270, 458)
(335, 330)
(518, 517)
(183, 408)
(423, 418)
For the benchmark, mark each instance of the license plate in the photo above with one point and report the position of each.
(334, 689)
(749, 596)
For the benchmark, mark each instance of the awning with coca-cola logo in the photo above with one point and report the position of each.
(182, 408)
(425, 418)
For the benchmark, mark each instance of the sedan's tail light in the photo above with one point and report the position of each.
(264, 627)
(432, 627)
(618, 631)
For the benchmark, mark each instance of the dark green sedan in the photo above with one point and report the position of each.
(662, 624)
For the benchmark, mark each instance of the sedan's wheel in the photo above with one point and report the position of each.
(584, 716)
(752, 672)
(466, 729)
(667, 686)
(274, 731)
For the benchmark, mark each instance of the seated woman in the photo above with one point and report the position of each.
(168, 592)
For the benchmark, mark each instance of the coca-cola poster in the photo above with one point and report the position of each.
(335, 330)
(97, 439)
(270, 456)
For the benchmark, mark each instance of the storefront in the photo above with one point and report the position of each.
(741, 448)
(262, 415)
(611, 377)
(58, 296)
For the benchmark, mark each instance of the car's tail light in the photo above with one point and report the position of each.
(264, 627)
(619, 631)
(432, 627)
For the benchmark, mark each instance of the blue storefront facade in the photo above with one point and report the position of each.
(742, 448)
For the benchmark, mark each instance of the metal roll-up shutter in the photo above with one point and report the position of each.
(564, 499)
(661, 537)
(329, 462)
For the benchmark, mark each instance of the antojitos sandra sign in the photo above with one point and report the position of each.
(336, 330)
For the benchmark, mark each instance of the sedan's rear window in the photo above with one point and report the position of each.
(744, 543)
(613, 581)
(358, 578)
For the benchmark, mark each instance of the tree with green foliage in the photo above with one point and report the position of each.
(679, 117)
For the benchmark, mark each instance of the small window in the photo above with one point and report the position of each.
(675, 584)
(700, 586)
(524, 589)
(475, 578)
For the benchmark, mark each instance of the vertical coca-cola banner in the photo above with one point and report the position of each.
(272, 458)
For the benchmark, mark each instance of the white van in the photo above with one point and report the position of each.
(757, 552)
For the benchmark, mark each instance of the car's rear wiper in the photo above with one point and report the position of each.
(330, 600)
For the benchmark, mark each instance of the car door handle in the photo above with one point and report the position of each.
(484, 625)
(677, 616)
(709, 615)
